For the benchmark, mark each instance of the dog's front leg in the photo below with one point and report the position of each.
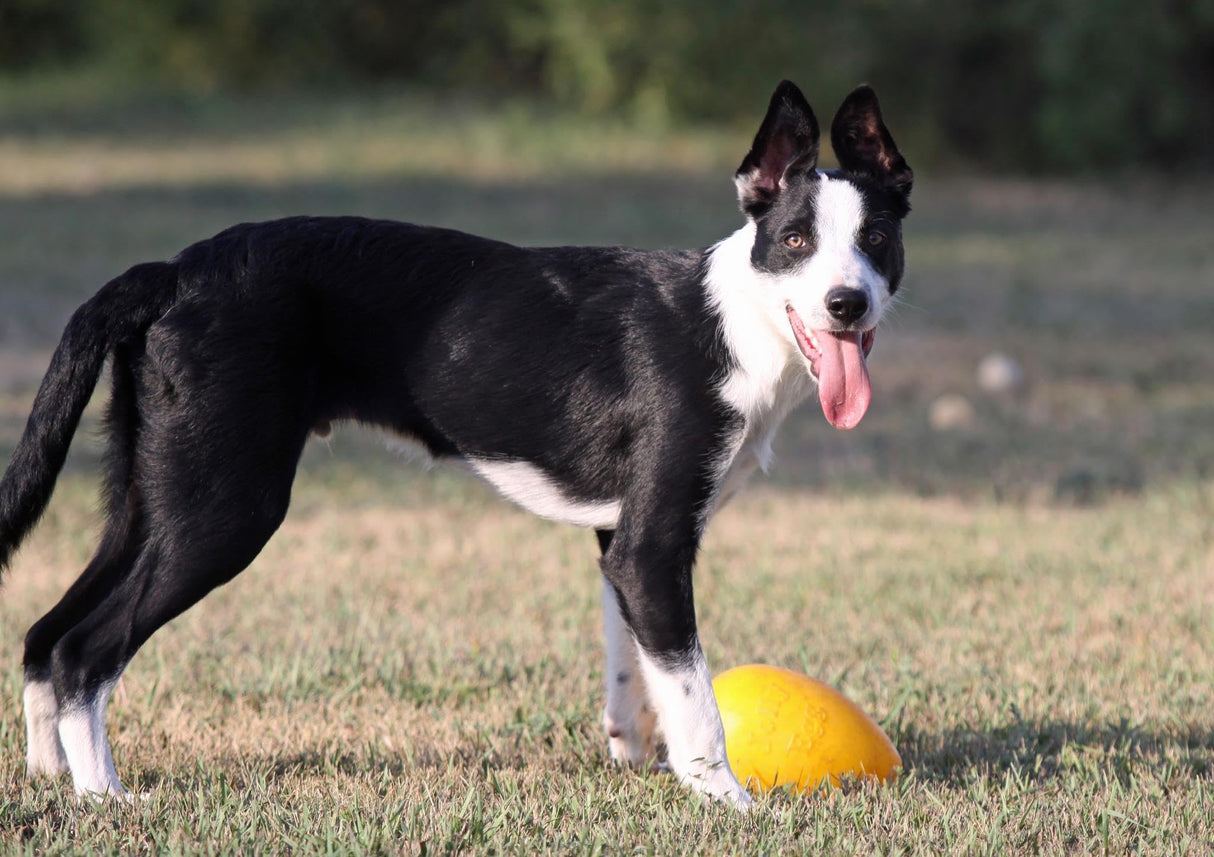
(628, 718)
(650, 575)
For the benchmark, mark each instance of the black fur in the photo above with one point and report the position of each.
(594, 364)
(866, 150)
(785, 148)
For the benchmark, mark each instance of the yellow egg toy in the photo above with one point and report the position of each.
(783, 728)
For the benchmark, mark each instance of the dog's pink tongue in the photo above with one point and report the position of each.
(843, 385)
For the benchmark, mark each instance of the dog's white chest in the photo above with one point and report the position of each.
(751, 449)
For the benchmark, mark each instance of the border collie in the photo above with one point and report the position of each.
(627, 391)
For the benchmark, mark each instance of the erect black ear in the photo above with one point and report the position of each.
(864, 146)
(787, 144)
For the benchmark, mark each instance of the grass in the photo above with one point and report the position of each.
(1025, 601)
(427, 672)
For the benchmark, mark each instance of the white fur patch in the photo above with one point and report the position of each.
(838, 260)
(691, 723)
(750, 306)
(627, 719)
(770, 375)
(531, 488)
(82, 733)
(44, 754)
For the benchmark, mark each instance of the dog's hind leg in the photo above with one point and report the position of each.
(44, 752)
(173, 571)
(114, 558)
(218, 445)
(627, 717)
(181, 562)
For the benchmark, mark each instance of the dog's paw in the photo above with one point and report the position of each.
(715, 782)
(113, 792)
(45, 762)
(633, 742)
(44, 755)
(731, 793)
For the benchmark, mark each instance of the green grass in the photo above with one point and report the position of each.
(1025, 603)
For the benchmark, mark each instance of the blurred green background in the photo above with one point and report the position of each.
(1024, 85)
(1061, 225)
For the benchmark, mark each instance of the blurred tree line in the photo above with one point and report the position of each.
(1019, 84)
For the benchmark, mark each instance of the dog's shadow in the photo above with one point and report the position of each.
(1029, 751)
(1044, 750)
(328, 761)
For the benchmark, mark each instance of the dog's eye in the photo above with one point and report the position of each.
(794, 241)
(875, 238)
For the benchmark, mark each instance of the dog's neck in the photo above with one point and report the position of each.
(768, 376)
(768, 371)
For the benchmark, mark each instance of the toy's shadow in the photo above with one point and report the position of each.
(1043, 750)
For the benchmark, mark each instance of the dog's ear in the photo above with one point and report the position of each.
(787, 144)
(864, 146)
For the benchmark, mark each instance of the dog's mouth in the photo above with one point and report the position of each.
(837, 361)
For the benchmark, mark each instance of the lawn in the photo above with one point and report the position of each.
(1024, 597)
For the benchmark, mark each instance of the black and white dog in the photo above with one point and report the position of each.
(627, 391)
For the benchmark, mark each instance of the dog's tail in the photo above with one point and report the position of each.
(119, 312)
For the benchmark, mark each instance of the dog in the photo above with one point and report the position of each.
(631, 392)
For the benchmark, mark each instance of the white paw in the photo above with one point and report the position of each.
(631, 742)
(717, 782)
(45, 761)
(112, 791)
(732, 793)
(44, 755)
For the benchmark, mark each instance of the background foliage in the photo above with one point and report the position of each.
(1059, 85)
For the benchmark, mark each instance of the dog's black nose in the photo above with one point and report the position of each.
(847, 305)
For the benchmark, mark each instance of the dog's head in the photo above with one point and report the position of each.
(827, 244)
